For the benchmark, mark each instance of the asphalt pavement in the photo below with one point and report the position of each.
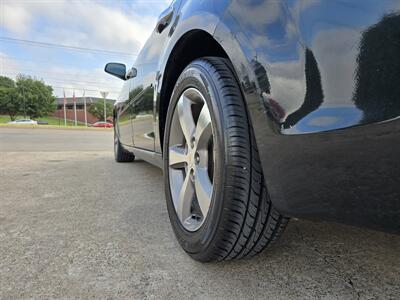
(75, 224)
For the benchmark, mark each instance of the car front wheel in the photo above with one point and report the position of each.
(120, 153)
(217, 201)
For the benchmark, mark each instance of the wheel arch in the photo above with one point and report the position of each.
(194, 44)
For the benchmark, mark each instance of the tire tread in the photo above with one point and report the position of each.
(122, 155)
(249, 223)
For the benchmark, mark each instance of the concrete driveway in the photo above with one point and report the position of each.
(75, 224)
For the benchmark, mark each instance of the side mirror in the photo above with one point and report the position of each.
(116, 69)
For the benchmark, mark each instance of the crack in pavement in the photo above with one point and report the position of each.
(347, 280)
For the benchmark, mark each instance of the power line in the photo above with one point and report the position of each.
(54, 1)
(56, 79)
(37, 71)
(34, 60)
(79, 81)
(48, 82)
(81, 89)
(68, 47)
(59, 80)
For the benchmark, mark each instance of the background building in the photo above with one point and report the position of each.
(80, 112)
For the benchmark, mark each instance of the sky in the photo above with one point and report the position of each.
(100, 31)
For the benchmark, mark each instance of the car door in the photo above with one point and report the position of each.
(124, 111)
(142, 90)
(141, 95)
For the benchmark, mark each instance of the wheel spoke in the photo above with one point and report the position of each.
(185, 199)
(177, 157)
(204, 190)
(203, 128)
(186, 118)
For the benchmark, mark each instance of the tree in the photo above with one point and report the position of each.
(6, 82)
(97, 110)
(378, 71)
(9, 103)
(314, 96)
(36, 98)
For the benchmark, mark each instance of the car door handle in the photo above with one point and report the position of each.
(165, 19)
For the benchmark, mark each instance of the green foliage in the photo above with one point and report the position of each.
(97, 110)
(27, 96)
(9, 103)
(35, 96)
(143, 99)
(135, 92)
(8, 97)
(6, 82)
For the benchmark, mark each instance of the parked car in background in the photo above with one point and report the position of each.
(103, 124)
(43, 123)
(23, 122)
(258, 111)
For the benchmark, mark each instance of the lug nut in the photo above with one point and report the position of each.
(197, 158)
(192, 176)
(192, 142)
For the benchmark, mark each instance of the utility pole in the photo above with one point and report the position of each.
(73, 97)
(104, 95)
(84, 106)
(65, 112)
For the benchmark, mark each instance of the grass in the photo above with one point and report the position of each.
(57, 121)
(54, 123)
(51, 120)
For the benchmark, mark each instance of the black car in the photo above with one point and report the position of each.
(261, 110)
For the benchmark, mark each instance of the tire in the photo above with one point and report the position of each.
(241, 220)
(120, 154)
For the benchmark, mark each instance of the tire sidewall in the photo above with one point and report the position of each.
(116, 145)
(198, 243)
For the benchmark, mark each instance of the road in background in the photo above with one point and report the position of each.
(75, 224)
(55, 140)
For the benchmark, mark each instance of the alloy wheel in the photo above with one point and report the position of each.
(191, 159)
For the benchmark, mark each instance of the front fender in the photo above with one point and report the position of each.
(324, 156)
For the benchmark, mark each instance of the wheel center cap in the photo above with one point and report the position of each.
(193, 157)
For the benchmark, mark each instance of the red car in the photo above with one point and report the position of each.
(103, 124)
